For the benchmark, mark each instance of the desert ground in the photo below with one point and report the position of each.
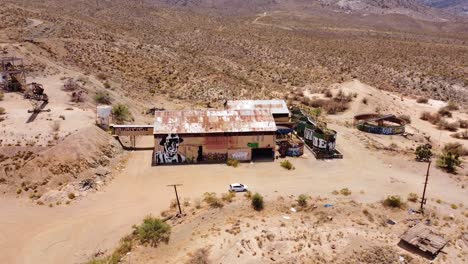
(370, 169)
(69, 191)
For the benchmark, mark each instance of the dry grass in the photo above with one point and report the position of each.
(461, 135)
(432, 118)
(200, 256)
(422, 100)
(443, 124)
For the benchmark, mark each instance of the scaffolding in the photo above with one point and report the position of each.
(12, 74)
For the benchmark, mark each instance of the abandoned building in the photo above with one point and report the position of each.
(213, 136)
(278, 108)
(424, 239)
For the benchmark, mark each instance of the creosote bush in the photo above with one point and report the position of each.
(103, 98)
(302, 200)
(2, 110)
(153, 231)
(423, 152)
(422, 100)
(71, 196)
(2, 95)
(257, 202)
(393, 201)
(413, 197)
(449, 162)
(121, 113)
(345, 192)
(431, 118)
(287, 165)
(228, 197)
(232, 163)
(211, 199)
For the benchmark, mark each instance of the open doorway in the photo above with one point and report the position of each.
(262, 154)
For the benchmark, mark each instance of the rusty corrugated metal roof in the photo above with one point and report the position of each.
(213, 121)
(274, 106)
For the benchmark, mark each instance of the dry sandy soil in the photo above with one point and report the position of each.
(186, 66)
(75, 232)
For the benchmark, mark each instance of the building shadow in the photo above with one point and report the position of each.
(414, 250)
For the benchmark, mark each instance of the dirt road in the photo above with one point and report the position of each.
(70, 234)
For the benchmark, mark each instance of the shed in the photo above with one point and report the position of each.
(425, 239)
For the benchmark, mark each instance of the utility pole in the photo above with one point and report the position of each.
(176, 195)
(423, 199)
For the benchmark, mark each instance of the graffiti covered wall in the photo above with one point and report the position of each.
(179, 149)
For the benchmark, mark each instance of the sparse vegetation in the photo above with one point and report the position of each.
(461, 135)
(393, 201)
(71, 85)
(228, 197)
(345, 192)
(422, 100)
(443, 124)
(2, 95)
(2, 110)
(121, 113)
(71, 196)
(413, 197)
(103, 98)
(423, 152)
(257, 202)
(153, 231)
(232, 162)
(448, 161)
(55, 126)
(287, 165)
(431, 118)
(211, 199)
(456, 148)
(200, 256)
(302, 200)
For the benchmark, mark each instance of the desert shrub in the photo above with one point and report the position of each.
(102, 98)
(413, 197)
(71, 85)
(200, 256)
(345, 191)
(444, 111)
(248, 195)
(257, 202)
(101, 76)
(121, 113)
(364, 100)
(316, 103)
(71, 196)
(405, 118)
(456, 148)
(454, 206)
(393, 201)
(431, 118)
(2, 95)
(2, 110)
(232, 162)
(422, 100)
(212, 200)
(302, 200)
(463, 123)
(452, 106)
(334, 107)
(448, 162)
(153, 231)
(461, 135)
(107, 85)
(343, 97)
(328, 93)
(423, 152)
(55, 126)
(228, 197)
(287, 164)
(445, 125)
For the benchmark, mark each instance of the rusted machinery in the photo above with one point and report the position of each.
(12, 74)
(35, 94)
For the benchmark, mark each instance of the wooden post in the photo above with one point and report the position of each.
(423, 199)
(177, 196)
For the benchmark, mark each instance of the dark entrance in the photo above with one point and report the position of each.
(262, 154)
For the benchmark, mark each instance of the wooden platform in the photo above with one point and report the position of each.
(425, 239)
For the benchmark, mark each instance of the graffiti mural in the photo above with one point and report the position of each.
(170, 153)
(241, 155)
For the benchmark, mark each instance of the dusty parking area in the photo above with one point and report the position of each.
(72, 233)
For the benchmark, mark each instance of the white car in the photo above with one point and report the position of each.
(237, 187)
